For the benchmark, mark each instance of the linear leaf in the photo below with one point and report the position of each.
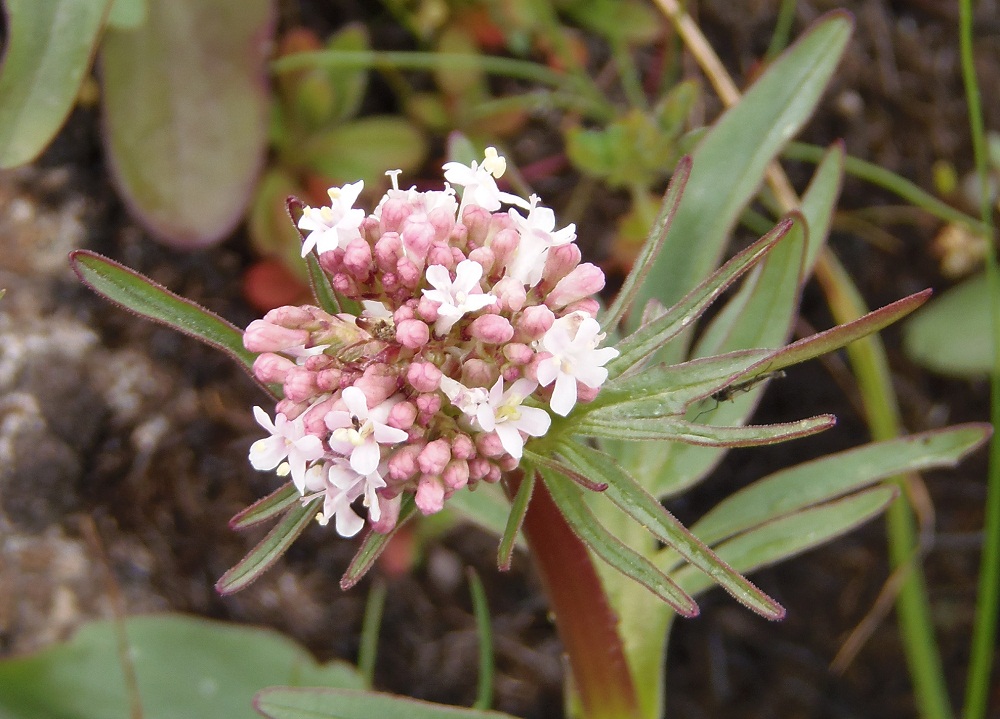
(323, 703)
(639, 504)
(139, 294)
(321, 287)
(518, 508)
(264, 509)
(651, 336)
(611, 549)
(48, 50)
(677, 430)
(792, 534)
(374, 544)
(264, 555)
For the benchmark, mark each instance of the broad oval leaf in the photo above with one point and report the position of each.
(184, 668)
(185, 111)
(290, 703)
(48, 51)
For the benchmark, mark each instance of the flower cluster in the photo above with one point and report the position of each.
(471, 320)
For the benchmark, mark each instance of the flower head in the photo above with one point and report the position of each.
(335, 226)
(358, 432)
(456, 297)
(288, 440)
(572, 343)
(504, 414)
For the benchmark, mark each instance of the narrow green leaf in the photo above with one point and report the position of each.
(609, 548)
(264, 555)
(834, 475)
(371, 625)
(374, 544)
(141, 295)
(518, 508)
(636, 502)
(287, 703)
(484, 630)
(48, 51)
(651, 248)
(730, 161)
(677, 430)
(183, 667)
(791, 535)
(321, 287)
(185, 112)
(486, 506)
(654, 334)
(264, 509)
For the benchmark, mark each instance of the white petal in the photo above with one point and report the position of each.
(384, 434)
(365, 457)
(263, 419)
(438, 277)
(511, 440)
(534, 421)
(348, 523)
(356, 402)
(267, 453)
(548, 370)
(564, 395)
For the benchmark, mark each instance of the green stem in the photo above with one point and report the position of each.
(585, 621)
(868, 359)
(984, 631)
(782, 28)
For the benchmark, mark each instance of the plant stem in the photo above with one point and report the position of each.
(584, 619)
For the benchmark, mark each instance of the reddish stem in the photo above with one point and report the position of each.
(584, 619)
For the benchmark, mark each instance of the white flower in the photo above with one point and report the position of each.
(467, 400)
(479, 183)
(537, 236)
(456, 297)
(340, 485)
(288, 439)
(505, 415)
(334, 226)
(358, 432)
(572, 340)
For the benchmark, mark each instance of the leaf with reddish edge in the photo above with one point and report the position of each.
(609, 548)
(320, 283)
(792, 534)
(568, 472)
(639, 504)
(653, 335)
(185, 114)
(374, 544)
(264, 509)
(650, 249)
(518, 508)
(264, 555)
(140, 295)
(677, 430)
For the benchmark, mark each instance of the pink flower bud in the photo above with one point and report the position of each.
(478, 468)
(434, 457)
(476, 221)
(456, 474)
(358, 259)
(442, 219)
(430, 494)
(413, 334)
(585, 393)
(489, 445)
(388, 250)
(491, 328)
(408, 273)
(535, 321)
(270, 367)
(332, 261)
(314, 420)
(510, 294)
(402, 415)
(290, 409)
(427, 310)
(518, 353)
(560, 262)
(370, 229)
(328, 380)
(429, 404)
(462, 447)
(477, 373)
(403, 462)
(423, 376)
(583, 282)
(393, 213)
(504, 243)
(589, 306)
(317, 363)
(510, 373)
(440, 254)
(417, 238)
(290, 316)
(484, 256)
(390, 282)
(389, 515)
(344, 284)
(508, 463)
(494, 475)
(262, 336)
(300, 385)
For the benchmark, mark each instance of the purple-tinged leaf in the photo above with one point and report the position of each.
(264, 555)
(609, 548)
(654, 334)
(139, 294)
(185, 111)
(566, 471)
(374, 544)
(677, 430)
(47, 53)
(641, 506)
(266, 508)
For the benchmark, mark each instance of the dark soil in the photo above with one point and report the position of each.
(113, 423)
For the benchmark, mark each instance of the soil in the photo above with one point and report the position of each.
(123, 444)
